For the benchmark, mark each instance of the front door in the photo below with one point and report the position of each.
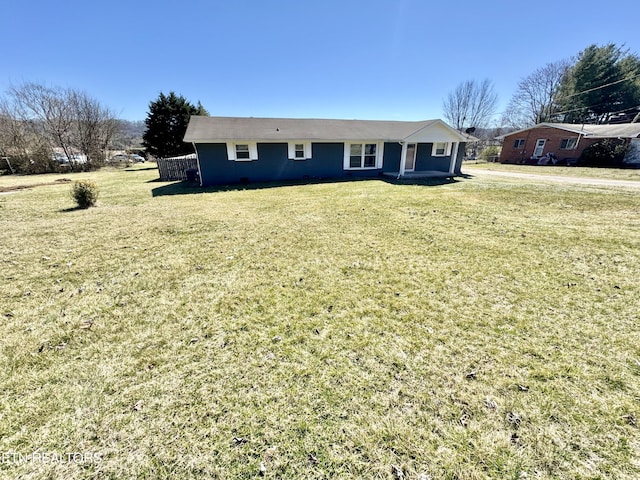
(410, 159)
(539, 147)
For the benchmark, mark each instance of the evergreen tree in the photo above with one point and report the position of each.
(166, 124)
(602, 81)
(201, 110)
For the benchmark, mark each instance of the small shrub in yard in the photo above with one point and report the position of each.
(490, 153)
(85, 193)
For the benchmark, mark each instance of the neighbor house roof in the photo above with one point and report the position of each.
(217, 129)
(620, 130)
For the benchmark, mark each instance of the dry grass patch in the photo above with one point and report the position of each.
(589, 172)
(479, 329)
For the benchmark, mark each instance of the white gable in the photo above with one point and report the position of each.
(436, 132)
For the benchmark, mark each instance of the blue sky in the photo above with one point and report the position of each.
(374, 59)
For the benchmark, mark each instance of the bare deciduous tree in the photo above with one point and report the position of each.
(28, 151)
(46, 111)
(535, 98)
(94, 127)
(471, 104)
(59, 118)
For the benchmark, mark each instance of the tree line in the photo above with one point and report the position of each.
(596, 86)
(44, 128)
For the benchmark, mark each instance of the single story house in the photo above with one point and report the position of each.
(240, 149)
(566, 141)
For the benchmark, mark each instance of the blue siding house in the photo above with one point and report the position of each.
(238, 149)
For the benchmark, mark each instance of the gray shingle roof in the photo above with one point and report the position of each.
(218, 129)
(621, 130)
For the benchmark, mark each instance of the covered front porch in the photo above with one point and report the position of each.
(432, 152)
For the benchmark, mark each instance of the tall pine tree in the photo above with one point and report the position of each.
(166, 124)
(603, 80)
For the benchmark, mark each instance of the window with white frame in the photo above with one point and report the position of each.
(299, 150)
(363, 156)
(569, 143)
(242, 151)
(519, 143)
(441, 149)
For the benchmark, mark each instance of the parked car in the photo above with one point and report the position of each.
(123, 157)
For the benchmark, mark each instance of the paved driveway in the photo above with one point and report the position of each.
(556, 178)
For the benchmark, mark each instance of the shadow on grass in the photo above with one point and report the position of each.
(140, 169)
(72, 209)
(190, 188)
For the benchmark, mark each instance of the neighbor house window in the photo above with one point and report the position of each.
(242, 151)
(363, 155)
(441, 149)
(569, 143)
(299, 150)
(519, 143)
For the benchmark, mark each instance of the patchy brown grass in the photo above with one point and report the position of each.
(14, 188)
(472, 330)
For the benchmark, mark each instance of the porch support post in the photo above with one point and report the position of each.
(454, 156)
(403, 157)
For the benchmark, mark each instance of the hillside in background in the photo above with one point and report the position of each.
(130, 135)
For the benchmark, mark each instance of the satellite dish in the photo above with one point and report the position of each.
(470, 130)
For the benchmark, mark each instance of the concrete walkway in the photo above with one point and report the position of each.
(555, 178)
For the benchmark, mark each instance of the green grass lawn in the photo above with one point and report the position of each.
(604, 173)
(469, 330)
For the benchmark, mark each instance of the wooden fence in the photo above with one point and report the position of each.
(175, 168)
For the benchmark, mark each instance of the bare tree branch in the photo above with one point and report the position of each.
(471, 104)
(59, 118)
(535, 98)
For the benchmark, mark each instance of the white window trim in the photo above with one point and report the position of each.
(447, 149)
(347, 155)
(253, 151)
(292, 150)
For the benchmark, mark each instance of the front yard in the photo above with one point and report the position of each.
(475, 329)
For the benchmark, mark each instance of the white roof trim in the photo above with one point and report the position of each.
(423, 135)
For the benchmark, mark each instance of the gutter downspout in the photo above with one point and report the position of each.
(580, 135)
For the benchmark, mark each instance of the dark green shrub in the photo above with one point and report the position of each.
(85, 193)
(609, 152)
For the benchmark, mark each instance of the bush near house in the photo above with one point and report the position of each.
(609, 152)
